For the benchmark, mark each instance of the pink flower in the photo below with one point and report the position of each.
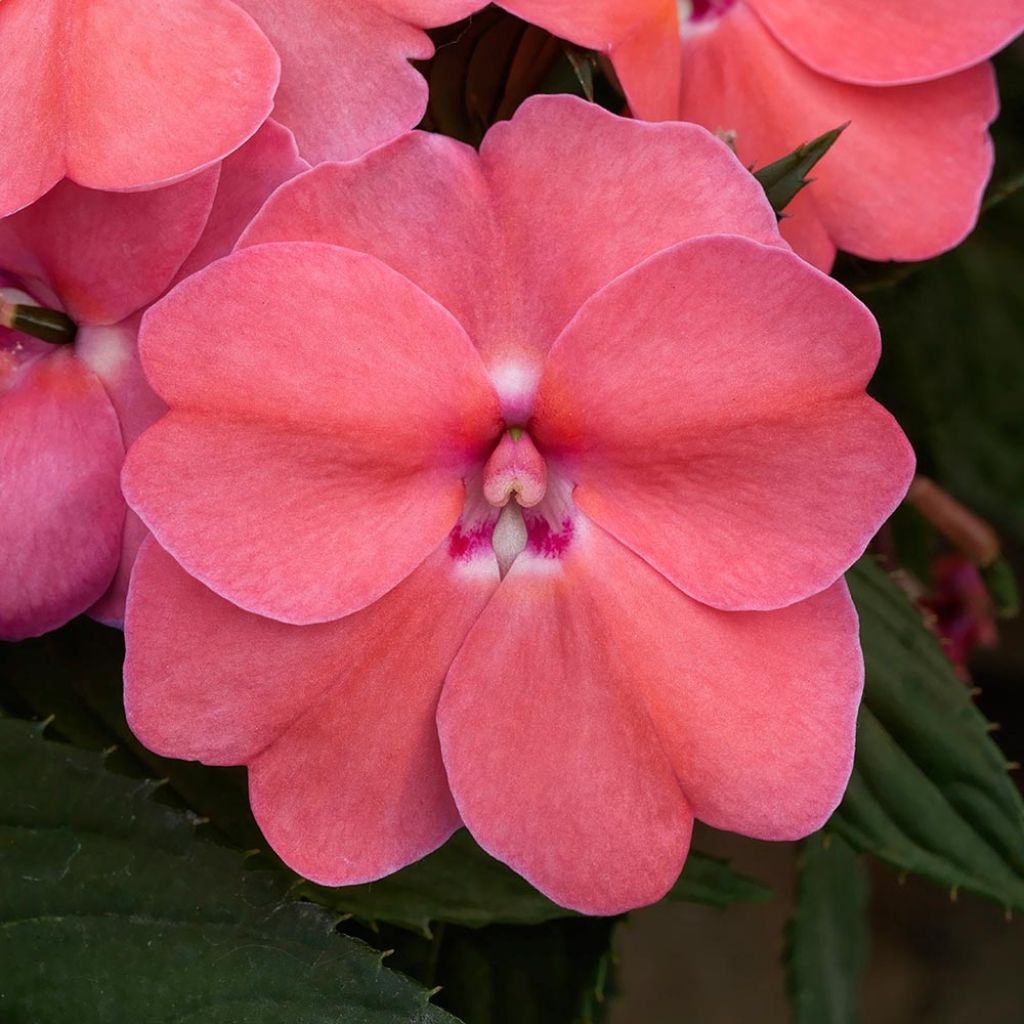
(905, 180)
(346, 81)
(67, 411)
(123, 94)
(511, 489)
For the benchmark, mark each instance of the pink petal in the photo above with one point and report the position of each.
(905, 180)
(107, 254)
(553, 761)
(346, 82)
(199, 82)
(565, 173)
(899, 41)
(112, 354)
(336, 720)
(502, 242)
(247, 178)
(316, 446)
(60, 505)
(721, 429)
(641, 37)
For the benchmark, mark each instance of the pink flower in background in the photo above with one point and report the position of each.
(68, 411)
(123, 94)
(905, 180)
(346, 81)
(511, 489)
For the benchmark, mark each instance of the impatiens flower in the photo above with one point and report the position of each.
(67, 411)
(124, 94)
(511, 489)
(905, 180)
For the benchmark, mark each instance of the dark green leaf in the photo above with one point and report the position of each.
(930, 793)
(826, 938)
(554, 973)
(784, 178)
(113, 908)
(952, 367)
(460, 883)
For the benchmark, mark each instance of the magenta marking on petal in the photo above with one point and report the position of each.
(545, 542)
(464, 546)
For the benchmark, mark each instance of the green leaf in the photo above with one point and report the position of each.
(827, 935)
(113, 908)
(784, 178)
(462, 884)
(930, 793)
(953, 351)
(554, 973)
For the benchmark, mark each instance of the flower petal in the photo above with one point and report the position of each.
(61, 510)
(721, 430)
(336, 720)
(905, 179)
(554, 763)
(107, 254)
(199, 82)
(636, 187)
(900, 41)
(353, 408)
(346, 82)
(247, 178)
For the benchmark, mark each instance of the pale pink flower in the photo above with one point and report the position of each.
(123, 94)
(512, 489)
(68, 411)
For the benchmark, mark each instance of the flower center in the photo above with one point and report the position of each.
(515, 505)
(693, 11)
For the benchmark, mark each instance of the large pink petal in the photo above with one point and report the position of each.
(335, 720)
(583, 195)
(905, 179)
(899, 41)
(199, 82)
(324, 412)
(720, 428)
(555, 765)
(61, 510)
(641, 37)
(107, 254)
(346, 81)
(247, 178)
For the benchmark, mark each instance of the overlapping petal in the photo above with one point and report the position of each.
(346, 81)
(61, 511)
(710, 408)
(503, 241)
(120, 94)
(904, 181)
(900, 41)
(316, 446)
(335, 720)
(106, 254)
